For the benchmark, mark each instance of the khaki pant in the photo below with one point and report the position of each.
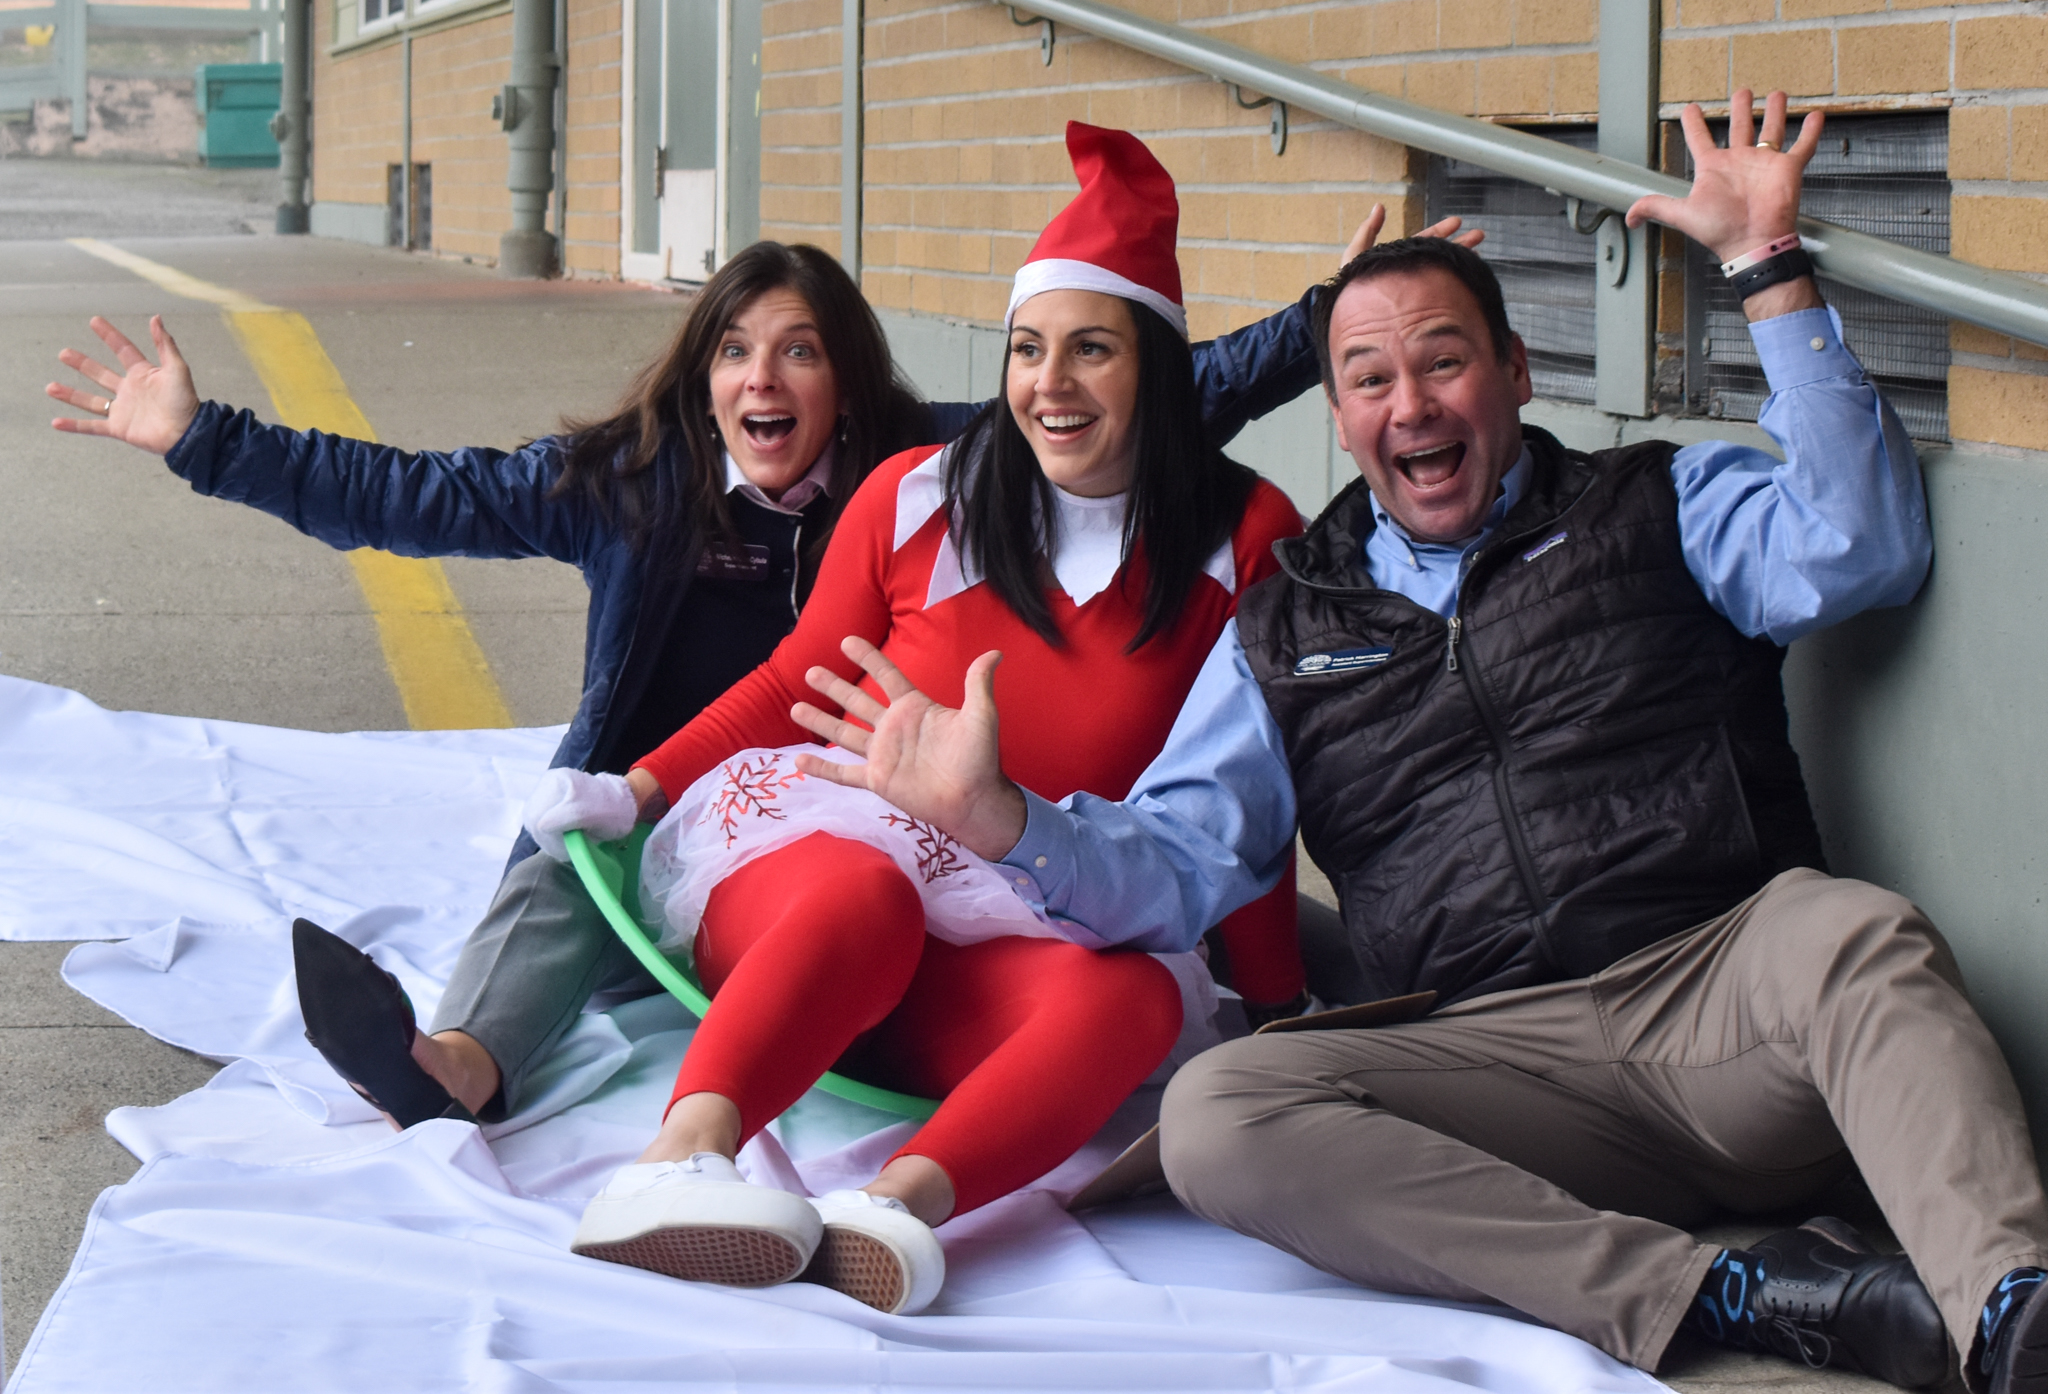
(1544, 1147)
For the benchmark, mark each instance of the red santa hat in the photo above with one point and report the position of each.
(1118, 234)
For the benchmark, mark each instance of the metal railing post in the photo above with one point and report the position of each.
(1625, 261)
(71, 38)
(1997, 300)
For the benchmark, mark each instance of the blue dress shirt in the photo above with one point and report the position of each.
(1780, 548)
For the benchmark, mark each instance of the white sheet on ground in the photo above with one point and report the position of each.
(279, 1236)
(114, 823)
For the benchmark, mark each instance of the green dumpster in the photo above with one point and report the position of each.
(236, 102)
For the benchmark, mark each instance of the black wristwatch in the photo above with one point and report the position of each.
(1785, 266)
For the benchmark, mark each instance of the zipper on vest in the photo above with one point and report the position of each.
(1451, 645)
(1510, 821)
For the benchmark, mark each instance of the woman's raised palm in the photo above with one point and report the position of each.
(149, 405)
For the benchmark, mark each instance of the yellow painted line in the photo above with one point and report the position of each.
(441, 673)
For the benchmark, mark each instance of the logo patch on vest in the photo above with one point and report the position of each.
(1343, 662)
(1545, 545)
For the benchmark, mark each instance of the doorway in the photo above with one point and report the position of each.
(693, 132)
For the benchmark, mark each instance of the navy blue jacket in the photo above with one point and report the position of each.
(479, 502)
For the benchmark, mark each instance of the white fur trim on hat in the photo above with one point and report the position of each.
(1054, 273)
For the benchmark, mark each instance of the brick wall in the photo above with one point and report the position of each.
(457, 69)
(594, 78)
(356, 108)
(800, 131)
(963, 163)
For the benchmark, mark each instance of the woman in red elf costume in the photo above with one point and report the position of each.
(1084, 526)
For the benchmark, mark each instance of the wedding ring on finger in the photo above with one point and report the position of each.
(1767, 145)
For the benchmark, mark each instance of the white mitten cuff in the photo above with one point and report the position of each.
(601, 805)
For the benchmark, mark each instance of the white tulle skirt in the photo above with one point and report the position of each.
(759, 801)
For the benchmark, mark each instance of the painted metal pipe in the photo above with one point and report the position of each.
(527, 250)
(293, 116)
(1996, 300)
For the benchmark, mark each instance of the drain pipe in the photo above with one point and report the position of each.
(526, 109)
(289, 125)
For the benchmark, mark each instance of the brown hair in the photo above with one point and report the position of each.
(657, 464)
(1405, 255)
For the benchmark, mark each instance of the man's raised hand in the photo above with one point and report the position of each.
(938, 765)
(1746, 195)
(149, 405)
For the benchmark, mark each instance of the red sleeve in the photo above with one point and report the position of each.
(851, 597)
(1269, 516)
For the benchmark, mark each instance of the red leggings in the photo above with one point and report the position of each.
(818, 951)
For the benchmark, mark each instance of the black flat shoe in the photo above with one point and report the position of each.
(1825, 1298)
(361, 1022)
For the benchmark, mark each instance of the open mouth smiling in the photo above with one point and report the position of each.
(1064, 425)
(1427, 469)
(765, 428)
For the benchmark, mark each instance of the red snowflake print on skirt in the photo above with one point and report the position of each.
(937, 854)
(751, 790)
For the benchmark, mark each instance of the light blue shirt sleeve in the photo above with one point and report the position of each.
(1206, 828)
(1782, 548)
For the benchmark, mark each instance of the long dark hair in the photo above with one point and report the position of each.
(1186, 495)
(656, 463)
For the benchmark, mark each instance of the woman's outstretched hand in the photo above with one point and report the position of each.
(149, 405)
(1369, 232)
(938, 765)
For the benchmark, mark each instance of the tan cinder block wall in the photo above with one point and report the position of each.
(454, 74)
(1986, 62)
(358, 101)
(964, 161)
(800, 121)
(595, 86)
(356, 116)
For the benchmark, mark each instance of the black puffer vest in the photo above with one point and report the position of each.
(1585, 760)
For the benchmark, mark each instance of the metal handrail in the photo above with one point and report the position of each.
(1996, 300)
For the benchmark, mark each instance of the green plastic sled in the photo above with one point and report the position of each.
(611, 873)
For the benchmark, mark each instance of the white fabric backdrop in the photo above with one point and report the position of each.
(279, 1236)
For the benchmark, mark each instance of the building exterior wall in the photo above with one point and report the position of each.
(459, 63)
(801, 89)
(455, 72)
(1986, 63)
(594, 78)
(963, 164)
(357, 102)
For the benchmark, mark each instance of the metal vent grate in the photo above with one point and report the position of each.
(1545, 269)
(1884, 175)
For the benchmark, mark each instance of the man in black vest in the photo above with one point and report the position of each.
(1523, 704)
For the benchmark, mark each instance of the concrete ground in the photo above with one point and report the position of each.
(117, 581)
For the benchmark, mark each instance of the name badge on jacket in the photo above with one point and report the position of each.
(724, 562)
(1348, 661)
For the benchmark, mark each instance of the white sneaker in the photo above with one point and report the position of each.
(699, 1220)
(875, 1251)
